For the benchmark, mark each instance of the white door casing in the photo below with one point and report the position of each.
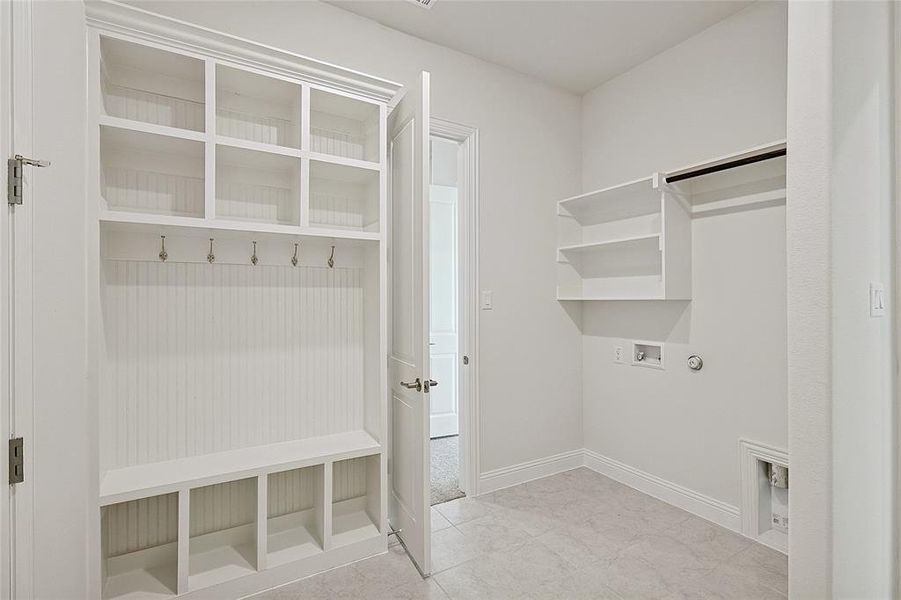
(444, 349)
(408, 352)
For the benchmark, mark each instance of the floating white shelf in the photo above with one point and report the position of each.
(232, 142)
(141, 481)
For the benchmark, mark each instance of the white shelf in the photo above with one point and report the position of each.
(151, 582)
(232, 142)
(145, 127)
(291, 538)
(640, 242)
(628, 200)
(141, 481)
(221, 556)
(344, 162)
(352, 527)
(200, 227)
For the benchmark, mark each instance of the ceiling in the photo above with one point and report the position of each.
(572, 44)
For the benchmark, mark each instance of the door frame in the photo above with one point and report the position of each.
(468, 282)
(16, 274)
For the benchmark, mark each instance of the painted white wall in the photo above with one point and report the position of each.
(862, 350)
(841, 361)
(721, 91)
(529, 136)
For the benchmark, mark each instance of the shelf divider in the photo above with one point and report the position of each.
(184, 540)
(262, 521)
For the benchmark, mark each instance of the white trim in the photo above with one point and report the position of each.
(694, 502)
(18, 300)
(505, 477)
(470, 435)
(750, 453)
(121, 20)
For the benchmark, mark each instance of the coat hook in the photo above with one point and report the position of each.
(294, 258)
(331, 259)
(211, 257)
(163, 254)
(253, 257)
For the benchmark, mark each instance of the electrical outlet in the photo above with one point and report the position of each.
(780, 523)
(619, 355)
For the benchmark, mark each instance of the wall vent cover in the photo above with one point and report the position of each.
(424, 3)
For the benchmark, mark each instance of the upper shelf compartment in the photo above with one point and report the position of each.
(255, 108)
(141, 83)
(342, 126)
(751, 178)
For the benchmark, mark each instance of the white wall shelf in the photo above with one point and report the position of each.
(633, 241)
(240, 380)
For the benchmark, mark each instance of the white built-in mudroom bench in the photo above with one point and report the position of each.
(237, 196)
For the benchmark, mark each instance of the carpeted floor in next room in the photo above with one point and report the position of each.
(445, 469)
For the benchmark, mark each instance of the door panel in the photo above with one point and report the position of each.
(408, 353)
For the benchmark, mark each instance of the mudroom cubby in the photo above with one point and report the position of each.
(150, 173)
(257, 186)
(344, 197)
(140, 553)
(296, 514)
(356, 498)
(146, 84)
(223, 532)
(344, 126)
(238, 316)
(257, 108)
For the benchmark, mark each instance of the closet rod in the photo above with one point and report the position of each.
(740, 162)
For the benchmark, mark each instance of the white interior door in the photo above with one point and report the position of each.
(444, 416)
(408, 362)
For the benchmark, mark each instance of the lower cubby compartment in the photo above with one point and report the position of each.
(223, 533)
(140, 556)
(295, 515)
(356, 500)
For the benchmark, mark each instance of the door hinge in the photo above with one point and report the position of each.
(15, 167)
(16, 460)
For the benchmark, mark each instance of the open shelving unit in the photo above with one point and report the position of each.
(239, 316)
(633, 241)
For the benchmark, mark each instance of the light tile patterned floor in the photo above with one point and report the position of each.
(576, 535)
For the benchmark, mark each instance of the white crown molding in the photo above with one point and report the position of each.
(119, 19)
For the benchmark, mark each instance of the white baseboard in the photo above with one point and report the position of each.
(698, 504)
(505, 477)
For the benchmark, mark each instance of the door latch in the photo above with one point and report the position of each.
(412, 385)
(15, 167)
(429, 384)
(16, 460)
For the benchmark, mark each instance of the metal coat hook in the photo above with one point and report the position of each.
(163, 254)
(253, 257)
(211, 257)
(294, 258)
(331, 259)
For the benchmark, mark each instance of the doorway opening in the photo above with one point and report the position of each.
(453, 272)
(444, 347)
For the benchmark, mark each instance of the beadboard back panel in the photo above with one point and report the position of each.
(203, 358)
(139, 524)
(291, 491)
(349, 479)
(223, 506)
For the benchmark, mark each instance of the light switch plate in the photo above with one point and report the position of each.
(619, 355)
(877, 299)
(486, 300)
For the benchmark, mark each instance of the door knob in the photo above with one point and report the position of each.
(412, 385)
